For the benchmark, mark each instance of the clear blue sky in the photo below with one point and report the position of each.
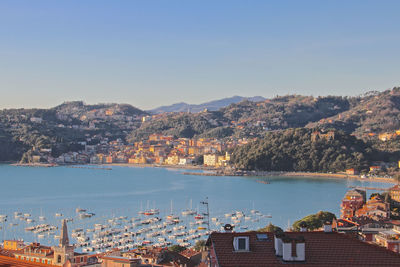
(149, 53)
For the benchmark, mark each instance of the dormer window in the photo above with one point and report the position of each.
(241, 243)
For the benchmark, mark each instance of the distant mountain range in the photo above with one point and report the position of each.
(212, 105)
(65, 126)
(364, 115)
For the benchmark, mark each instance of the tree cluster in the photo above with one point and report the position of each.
(294, 150)
(314, 221)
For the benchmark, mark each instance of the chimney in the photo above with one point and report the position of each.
(278, 243)
(328, 227)
(294, 249)
(228, 228)
(303, 226)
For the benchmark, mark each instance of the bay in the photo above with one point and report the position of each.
(123, 191)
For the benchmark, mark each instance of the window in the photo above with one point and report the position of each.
(241, 243)
(59, 259)
(262, 237)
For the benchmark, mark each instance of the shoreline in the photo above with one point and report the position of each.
(219, 172)
(141, 165)
(332, 176)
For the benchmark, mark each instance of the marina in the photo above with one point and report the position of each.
(91, 234)
(128, 207)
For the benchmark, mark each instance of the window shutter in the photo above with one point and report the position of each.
(235, 244)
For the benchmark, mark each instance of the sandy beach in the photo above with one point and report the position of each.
(220, 172)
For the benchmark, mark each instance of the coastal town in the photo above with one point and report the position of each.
(207, 153)
(368, 225)
(199, 133)
(366, 233)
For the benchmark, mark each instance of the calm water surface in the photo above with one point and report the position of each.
(123, 191)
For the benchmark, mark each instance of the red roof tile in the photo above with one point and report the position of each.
(322, 249)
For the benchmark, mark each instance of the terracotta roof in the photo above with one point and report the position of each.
(13, 262)
(395, 188)
(322, 249)
(189, 252)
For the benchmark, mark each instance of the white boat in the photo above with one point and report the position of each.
(42, 218)
(155, 211)
(59, 215)
(189, 211)
(171, 216)
(85, 215)
(239, 214)
(79, 210)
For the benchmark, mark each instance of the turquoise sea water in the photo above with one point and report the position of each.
(122, 191)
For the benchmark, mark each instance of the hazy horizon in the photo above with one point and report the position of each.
(155, 53)
(190, 103)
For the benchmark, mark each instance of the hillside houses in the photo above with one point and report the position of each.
(157, 149)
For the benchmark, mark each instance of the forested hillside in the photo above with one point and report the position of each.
(286, 111)
(63, 127)
(294, 150)
(373, 113)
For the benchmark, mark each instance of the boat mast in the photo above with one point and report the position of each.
(205, 203)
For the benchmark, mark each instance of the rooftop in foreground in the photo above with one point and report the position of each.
(321, 249)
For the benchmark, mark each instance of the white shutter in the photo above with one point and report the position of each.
(235, 244)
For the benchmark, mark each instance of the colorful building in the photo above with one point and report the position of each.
(375, 208)
(352, 201)
(394, 193)
(210, 159)
(13, 244)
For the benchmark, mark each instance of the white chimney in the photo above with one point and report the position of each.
(328, 227)
(278, 244)
(294, 249)
(303, 226)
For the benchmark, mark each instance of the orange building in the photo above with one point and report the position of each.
(351, 171)
(375, 208)
(13, 244)
(352, 201)
(394, 193)
(374, 168)
(109, 159)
